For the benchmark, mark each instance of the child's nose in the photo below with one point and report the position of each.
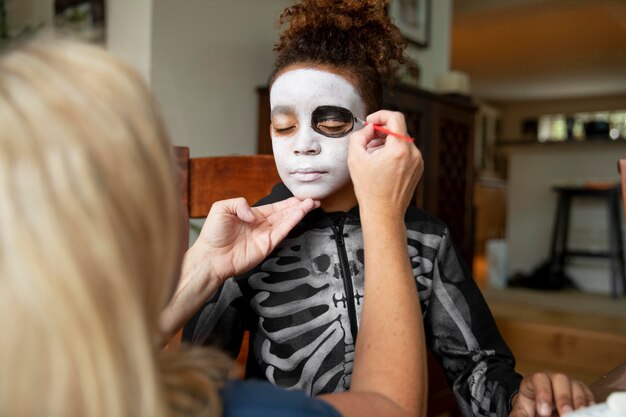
(307, 143)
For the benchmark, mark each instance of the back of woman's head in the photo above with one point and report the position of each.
(354, 38)
(89, 234)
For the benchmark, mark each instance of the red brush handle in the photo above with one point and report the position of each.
(384, 130)
(389, 132)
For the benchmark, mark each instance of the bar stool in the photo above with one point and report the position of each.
(559, 252)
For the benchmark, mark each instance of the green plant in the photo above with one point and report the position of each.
(4, 31)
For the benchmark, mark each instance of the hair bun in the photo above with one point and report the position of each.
(339, 33)
(344, 15)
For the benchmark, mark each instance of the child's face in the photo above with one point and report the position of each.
(313, 163)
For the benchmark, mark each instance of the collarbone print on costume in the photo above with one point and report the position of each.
(302, 305)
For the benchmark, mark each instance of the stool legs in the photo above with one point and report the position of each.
(560, 232)
(616, 249)
(559, 252)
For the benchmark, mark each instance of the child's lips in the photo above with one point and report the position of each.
(307, 175)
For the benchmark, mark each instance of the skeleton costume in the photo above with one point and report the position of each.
(302, 306)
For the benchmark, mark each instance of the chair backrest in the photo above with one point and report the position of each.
(210, 179)
(621, 165)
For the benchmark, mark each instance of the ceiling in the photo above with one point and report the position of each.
(535, 49)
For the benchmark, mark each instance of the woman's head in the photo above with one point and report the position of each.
(89, 233)
(333, 60)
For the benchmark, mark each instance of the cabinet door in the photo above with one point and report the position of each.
(264, 139)
(417, 113)
(454, 171)
(444, 132)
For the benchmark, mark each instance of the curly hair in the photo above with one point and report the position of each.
(354, 38)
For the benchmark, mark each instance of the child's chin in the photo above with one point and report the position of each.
(310, 192)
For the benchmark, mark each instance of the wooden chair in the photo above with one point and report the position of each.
(209, 179)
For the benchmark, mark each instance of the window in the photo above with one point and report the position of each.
(582, 126)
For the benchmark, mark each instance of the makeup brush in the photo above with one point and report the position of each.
(384, 130)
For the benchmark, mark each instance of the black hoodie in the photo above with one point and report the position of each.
(302, 306)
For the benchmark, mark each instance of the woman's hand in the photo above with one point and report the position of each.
(384, 170)
(543, 394)
(234, 238)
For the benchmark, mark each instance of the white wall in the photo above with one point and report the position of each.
(204, 61)
(22, 14)
(435, 59)
(208, 59)
(129, 32)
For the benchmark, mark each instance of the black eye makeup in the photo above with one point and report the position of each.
(332, 121)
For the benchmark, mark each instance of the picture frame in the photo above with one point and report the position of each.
(413, 19)
(82, 19)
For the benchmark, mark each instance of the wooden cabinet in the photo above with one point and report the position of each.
(444, 131)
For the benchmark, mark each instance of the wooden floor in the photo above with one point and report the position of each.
(578, 333)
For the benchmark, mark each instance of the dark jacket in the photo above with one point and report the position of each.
(302, 306)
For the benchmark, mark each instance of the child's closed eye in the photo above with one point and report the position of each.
(284, 130)
(334, 127)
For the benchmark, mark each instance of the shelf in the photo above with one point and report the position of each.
(535, 142)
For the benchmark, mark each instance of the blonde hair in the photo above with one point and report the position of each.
(89, 243)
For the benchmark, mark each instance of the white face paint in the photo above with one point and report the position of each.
(310, 164)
